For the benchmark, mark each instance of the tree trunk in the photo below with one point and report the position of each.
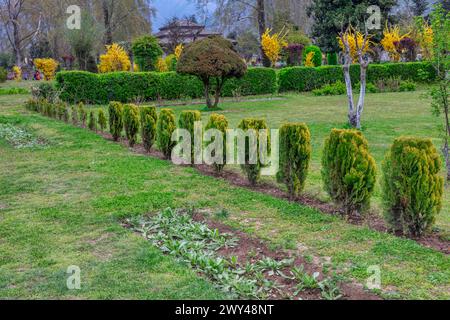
(107, 22)
(16, 47)
(207, 97)
(219, 86)
(362, 95)
(261, 12)
(348, 84)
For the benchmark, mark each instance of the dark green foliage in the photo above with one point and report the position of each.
(3, 74)
(332, 59)
(148, 86)
(407, 86)
(337, 88)
(253, 170)
(213, 60)
(307, 79)
(146, 51)
(131, 123)
(412, 185)
(187, 121)
(75, 119)
(92, 121)
(348, 170)
(295, 156)
(164, 129)
(45, 90)
(317, 60)
(149, 118)
(115, 119)
(82, 114)
(219, 122)
(101, 120)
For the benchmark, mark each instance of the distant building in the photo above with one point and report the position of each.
(182, 31)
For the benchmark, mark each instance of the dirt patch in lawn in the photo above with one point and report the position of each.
(374, 222)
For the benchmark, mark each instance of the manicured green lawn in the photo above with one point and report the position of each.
(62, 206)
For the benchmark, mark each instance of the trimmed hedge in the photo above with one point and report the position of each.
(76, 86)
(412, 186)
(307, 79)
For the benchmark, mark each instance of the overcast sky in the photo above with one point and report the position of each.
(167, 9)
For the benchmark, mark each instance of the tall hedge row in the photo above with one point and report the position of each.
(126, 87)
(307, 79)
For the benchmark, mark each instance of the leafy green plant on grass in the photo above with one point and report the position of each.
(149, 118)
(348, 170)
(101, 120)
(164, 130)
(116, 119)
(253, 163)
(12, 91)
(304, 279)
(220, 123)
(20, 138)
(330, 289)
(412, 185)
(295, 156)
(131, 123)
(187, 121)
(337, 88)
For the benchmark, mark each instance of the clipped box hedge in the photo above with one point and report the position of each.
(126, 87)
(307, 79)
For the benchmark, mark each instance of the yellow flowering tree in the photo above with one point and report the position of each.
(392, 36)
(272, 45)
(17, 73)
(424, 36)
(309, 61)
(115, 59)
(178, 51)
(47, 66)
(356, 42)
(161, 65)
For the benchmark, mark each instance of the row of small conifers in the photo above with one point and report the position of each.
(412, 185)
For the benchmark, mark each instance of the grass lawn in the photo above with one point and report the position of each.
(62, 205)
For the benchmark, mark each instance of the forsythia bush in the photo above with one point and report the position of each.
(164, 129)
(273, 45)
(116, 119)
(131, 123)
(47, 66)
(348, 170)
(187, 121)
(178, 51)
(252, 166)
(149, 118)
(115, 59)
(391, 36)
(356, 40)
(101, 120)
(17, 73)
(219, 122)
(412, 186)
(295, 156)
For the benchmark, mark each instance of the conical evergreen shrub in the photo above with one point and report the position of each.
(131, 123)
(149, 118)
(115, 119)
(187, 121)
(164, 129)
(219, 122)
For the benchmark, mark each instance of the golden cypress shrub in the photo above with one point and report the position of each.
(149, 118)
(131, 123)
(101, 120)
(92, 124)
(219, 122)
(115, 119)
(164, 129)
(253, 170)
(412, 186)
(348, 170)
(187, 121)
(295, 156)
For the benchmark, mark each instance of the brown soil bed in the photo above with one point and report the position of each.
(433, 241)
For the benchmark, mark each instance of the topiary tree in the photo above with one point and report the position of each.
(212, 60)
(115, 119)
(316, 59)
(131, 123)
(219, 122)
(412, 185)
(187, 121)
(146, 51)
(101, 120)
(253, 170)
(164, 130)
(92, 124)
(295, 156)
(149, 118)
(348, 170)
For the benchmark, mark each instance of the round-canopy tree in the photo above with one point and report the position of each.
(146, 51)
(213, 60)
